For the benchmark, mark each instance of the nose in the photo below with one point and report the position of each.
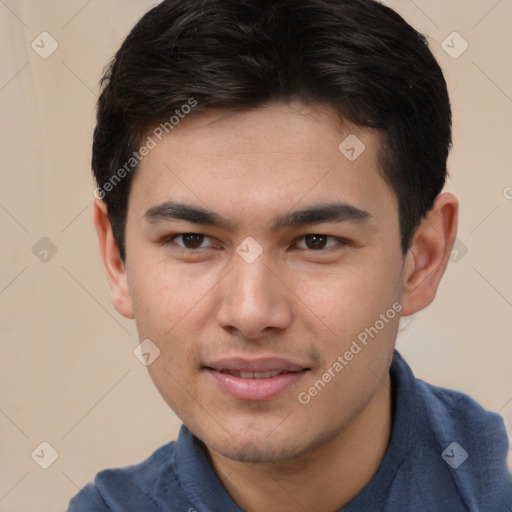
(254, 299)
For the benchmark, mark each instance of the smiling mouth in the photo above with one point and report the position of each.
(254, 375)
(256, 386)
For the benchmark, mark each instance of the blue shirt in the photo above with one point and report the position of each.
(446, 454)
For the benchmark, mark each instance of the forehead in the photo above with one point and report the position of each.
(270, 158)
(265, 132)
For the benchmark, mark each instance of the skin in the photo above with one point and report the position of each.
(300, 301)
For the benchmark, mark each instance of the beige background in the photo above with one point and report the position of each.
(69, 376)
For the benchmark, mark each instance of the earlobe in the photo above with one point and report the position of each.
(427, 259)
(113, 264)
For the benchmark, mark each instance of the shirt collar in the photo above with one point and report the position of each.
(198, 478)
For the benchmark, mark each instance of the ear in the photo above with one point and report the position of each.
(112, 262)
(427, 259)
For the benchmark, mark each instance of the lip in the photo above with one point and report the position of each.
(267, 364)
(255, 389)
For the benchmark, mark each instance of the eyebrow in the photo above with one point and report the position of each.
(315, 214)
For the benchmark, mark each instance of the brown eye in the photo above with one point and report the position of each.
(315, 242)
(319, 242)
(192, 240)
(189, 240)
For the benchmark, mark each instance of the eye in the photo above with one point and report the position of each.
(318, 242)
(313, 242)
(189, 241)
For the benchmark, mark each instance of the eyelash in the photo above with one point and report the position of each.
(341, 242)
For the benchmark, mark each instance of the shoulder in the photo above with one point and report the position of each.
(450, 414)
(471, 441)
(455, 413)
(449, 443)
(135, 487)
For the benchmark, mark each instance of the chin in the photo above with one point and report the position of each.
(252, 445)
(253, 452)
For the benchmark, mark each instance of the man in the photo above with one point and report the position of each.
(269, 205)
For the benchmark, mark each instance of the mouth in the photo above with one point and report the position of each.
(256, 380)
(254, 375)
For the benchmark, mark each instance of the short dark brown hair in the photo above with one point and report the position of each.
(358, 56)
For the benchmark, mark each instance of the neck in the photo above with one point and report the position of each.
(321, 480)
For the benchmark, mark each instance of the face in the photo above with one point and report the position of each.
(266, 267)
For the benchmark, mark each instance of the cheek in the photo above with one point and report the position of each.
(346, 301)
(165, 295)
(167, 304)
(358, 310)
